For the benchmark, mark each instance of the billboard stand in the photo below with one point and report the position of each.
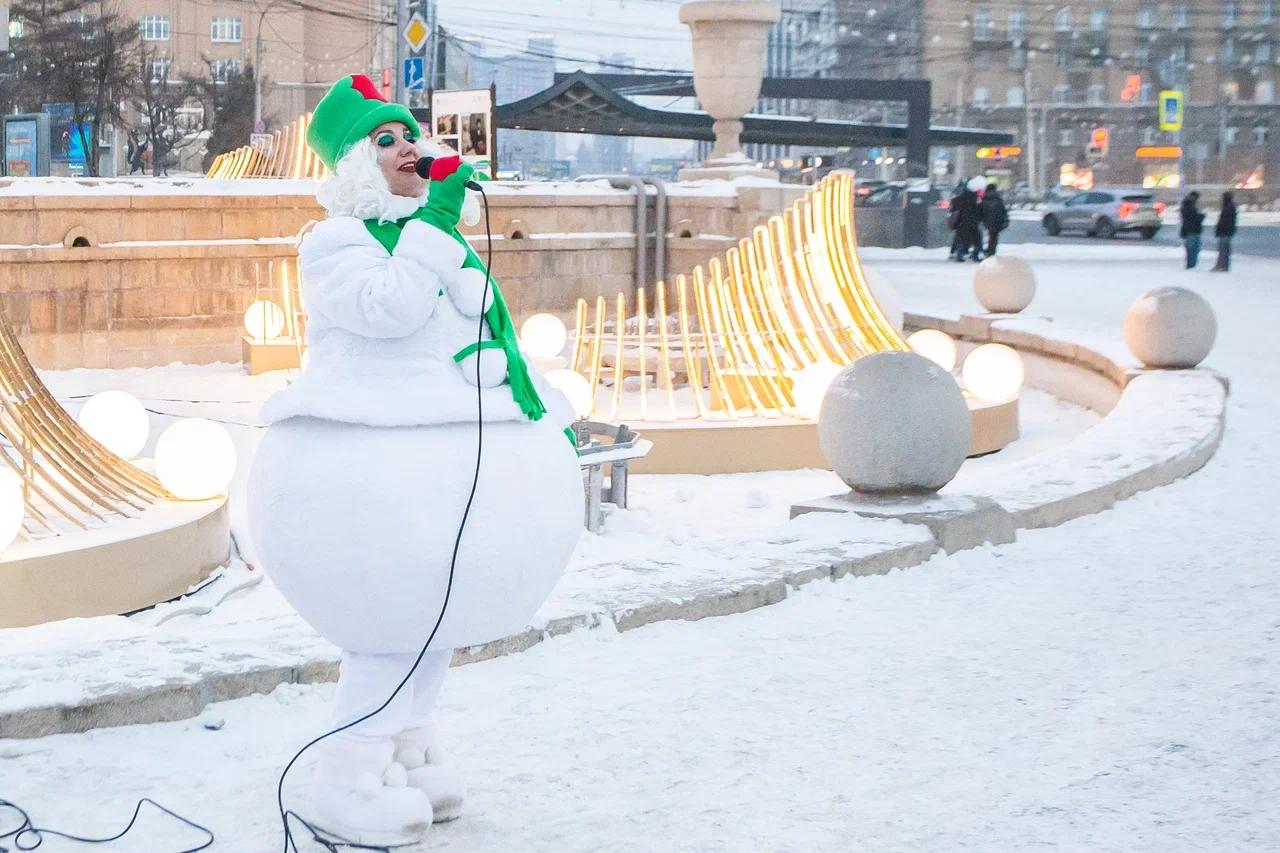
(27, 140)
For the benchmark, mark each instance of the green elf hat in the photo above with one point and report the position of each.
(350, 110)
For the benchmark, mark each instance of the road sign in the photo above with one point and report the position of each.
(259, 126)
(1171, 109)
(262, 141)
(416, 33)
(415, 74)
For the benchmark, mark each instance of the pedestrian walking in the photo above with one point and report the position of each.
(1224, 231)
(995, 216)
(1192, 225)
(966, 214)
(136, 156)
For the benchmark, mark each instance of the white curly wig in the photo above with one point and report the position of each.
(358, 188)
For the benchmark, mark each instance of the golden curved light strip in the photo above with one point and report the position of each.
(67, 477)
(792, 295)
(289, 157)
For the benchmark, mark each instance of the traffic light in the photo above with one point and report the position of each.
(1099, 142)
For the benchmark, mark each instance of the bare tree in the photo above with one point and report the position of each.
(78, 52)
(169, 106)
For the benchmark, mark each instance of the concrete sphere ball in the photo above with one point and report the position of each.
(894, 423)
(1170, 327)
(886, 295)
(1004, 285)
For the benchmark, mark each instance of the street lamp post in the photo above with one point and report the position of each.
(257, 64)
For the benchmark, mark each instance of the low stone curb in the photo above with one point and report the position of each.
(1188, 403)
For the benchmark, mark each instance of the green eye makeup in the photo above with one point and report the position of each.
(386, 140)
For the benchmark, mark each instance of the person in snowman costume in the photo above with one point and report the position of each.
(359, 486)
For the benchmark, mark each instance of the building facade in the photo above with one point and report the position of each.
(1079, 85)
(303, 47)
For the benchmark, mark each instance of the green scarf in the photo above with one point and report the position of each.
(498, 317)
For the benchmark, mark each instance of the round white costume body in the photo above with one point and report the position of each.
(359, 487)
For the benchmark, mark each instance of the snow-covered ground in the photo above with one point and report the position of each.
(1106, 685)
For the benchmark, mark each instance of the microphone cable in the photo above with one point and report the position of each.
(329, 842)
(27, 836)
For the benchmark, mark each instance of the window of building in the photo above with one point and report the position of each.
(225, 29)
(1066, 136)
(982, 95)
(1062, 94)
(1142, 56)
(1265, 92)
(1146, 16)
(1178, 53)
(1228, 50)
(154, 27)
(1097, 94)
(1230, 14)
(1063, 56)
(1098, 20)
(223, 70)
(16, 28)
(1262, 53)
(983, 29)
(1015, 97)
(1149, 135)
(1266, 11)
(1260, 135)
(1017, 25)
(1230, 135)
(159, 69)
(1181, 16)
(1146, 93)
(1062, 21)
(1018, 58)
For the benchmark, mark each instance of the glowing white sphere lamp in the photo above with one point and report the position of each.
(576, 387)
(12, 507)
(543, 335)
(117, 421)
(936, 346)
(195, 459)
(993, 372)
(264, 320)
(810, 385)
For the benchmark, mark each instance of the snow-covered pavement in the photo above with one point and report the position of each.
(1111, 684)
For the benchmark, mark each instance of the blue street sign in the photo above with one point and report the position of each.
(415, 74)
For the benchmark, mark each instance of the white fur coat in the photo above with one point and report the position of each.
(383, 330)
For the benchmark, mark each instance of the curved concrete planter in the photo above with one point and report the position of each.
(1158, 427)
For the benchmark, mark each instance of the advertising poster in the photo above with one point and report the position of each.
(67, 145)
(462, 120)
(20, 147)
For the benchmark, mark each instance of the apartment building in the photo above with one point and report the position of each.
(303, 47)
(1056, 74)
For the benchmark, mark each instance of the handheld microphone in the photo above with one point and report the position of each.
(423, 167)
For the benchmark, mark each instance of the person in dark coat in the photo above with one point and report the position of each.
(966, 214)
(995, 216)
(951, 218)
(137, 153)
(1224, 231)
(1192, 226)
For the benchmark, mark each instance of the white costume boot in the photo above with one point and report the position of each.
(418, 751)
(360, 795)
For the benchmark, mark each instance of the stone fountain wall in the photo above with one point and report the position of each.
(167, 277)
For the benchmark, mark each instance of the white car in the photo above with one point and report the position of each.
(1105, 213)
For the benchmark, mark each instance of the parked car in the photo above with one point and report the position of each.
(862, 189)
(1106, 213)
(895, 195)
